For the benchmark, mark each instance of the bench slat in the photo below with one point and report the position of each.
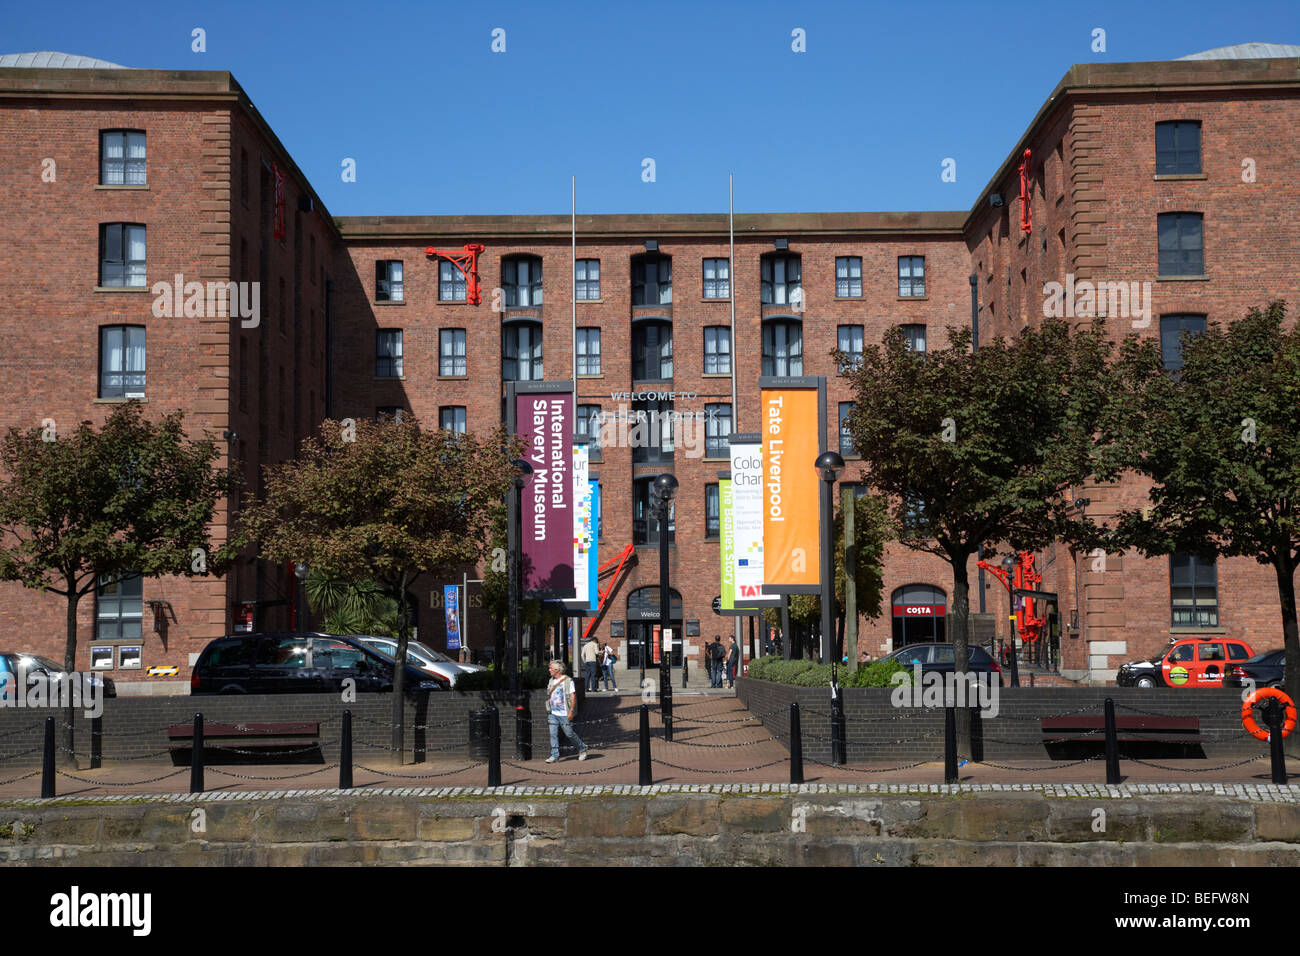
(179, 731)
(1091, 722)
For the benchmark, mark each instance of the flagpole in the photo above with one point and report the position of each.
(736, 633)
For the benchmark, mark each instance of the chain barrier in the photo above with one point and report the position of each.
(417, 776)
(568, 773)
(1239, 763)
(133, 783)
(747, 743)
(263, 752)
(23, 753)
(22, 730)
(288, 776)
(1055, 766)
(664, 763)
(5, 783)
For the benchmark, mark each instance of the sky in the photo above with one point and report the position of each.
(649, 105)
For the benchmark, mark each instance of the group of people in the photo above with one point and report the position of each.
(598, 659)
(722, 661)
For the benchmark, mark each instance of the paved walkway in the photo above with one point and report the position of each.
(716, 742)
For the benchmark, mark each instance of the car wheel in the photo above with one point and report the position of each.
(1146, 682)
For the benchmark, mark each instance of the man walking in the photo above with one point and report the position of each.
(561, 702)
(590, 656)
(717, 656)
(733, 661)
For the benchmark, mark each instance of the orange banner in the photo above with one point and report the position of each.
(790, 494)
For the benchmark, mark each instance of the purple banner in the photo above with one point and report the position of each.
(545, 422)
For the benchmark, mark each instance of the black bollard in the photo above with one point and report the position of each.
(96, 742)
(345, 753)
(839, 748)
(1015, 667)
(683, 672)
(666, 704)
(1031, 679)
(1112, 744)
(646, 778)
(494, 748)
(196, 756)
(47, 761)
(1274, 717)
(949, 745)
(796, 744)
(523, 728)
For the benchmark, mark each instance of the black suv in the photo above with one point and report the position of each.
(940, 658)
(298, 664)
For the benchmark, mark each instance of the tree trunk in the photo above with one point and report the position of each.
(399, 675)
(959, 634)
(1285, 569)
(68, 757)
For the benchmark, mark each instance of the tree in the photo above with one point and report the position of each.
(976, 446)
(1220, 441)
(385, 501)
(132, 497)
(872, 528)
(351, 607)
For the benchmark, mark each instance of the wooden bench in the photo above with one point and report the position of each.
(1091, 728)
(246, 736)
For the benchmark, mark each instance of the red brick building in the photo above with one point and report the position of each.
(1173, 174)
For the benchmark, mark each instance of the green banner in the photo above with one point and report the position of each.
(726, 520)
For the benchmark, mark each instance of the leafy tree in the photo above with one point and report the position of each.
(351, 607)
(134, 496)
(1221, 443)
(976, 446)
(386, 501)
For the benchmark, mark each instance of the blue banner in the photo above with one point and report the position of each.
(451, 601)
(593, 563)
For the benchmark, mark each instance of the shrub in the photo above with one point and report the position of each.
(805, 673)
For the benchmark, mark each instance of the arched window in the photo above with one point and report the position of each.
(652, 279)
(782, 346)
(652, 350)
(521, 278)
(521, 351)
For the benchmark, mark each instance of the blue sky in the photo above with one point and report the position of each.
(440, 124)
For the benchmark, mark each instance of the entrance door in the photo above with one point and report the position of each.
(919, 615)
(640, 641)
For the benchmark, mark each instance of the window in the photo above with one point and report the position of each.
(386, 412)
(914, 520)
(781, 280)
(848, 277)
(121, 254)
(782, 348)
(452, 418)
(717, 350)
(914, 336)
(1180, 242)
(588, 279)
(911, 276)
(712, 512)
(650, 431)
(121, 157)
(652, 351)
(451, 352)
(388, 280)
(717, 278)
(119, 607)
(588, 351)
(121, 361)
(645, 520)
(717, 431)
(1172, 328)
(521, 351)
(388, 353)
(652, 280)
(1193, 591)
(847, 448)
(1178, 148)
(848, 340)
(451, 283)
(589, 422)
(522, 279)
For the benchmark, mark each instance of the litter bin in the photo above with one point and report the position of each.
(480, 733)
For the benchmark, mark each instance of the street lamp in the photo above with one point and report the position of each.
(514, 552)
(665, 489)
(830, 465)
(1008, 565)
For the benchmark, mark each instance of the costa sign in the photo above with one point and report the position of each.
(919, 610)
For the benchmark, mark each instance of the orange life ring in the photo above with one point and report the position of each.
(1259, 696)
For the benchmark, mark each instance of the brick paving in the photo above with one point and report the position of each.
(718, 745)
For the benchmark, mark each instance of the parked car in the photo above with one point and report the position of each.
(941, 658)
(422, 656)
(12, 663)
(1186, 662)
(298, 664)
(1266, 670)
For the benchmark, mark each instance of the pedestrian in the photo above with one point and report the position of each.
(733, 661)
(717, 655)
(708, 661)
(590, 659)
(561, 702)
(607, 662)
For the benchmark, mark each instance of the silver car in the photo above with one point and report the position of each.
(422, 656)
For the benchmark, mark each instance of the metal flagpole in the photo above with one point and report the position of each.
(573, 329)
(737, 633)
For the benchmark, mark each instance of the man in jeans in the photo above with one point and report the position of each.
(590, 663)
(561, 701)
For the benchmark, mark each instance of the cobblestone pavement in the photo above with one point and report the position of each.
(718, 746)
